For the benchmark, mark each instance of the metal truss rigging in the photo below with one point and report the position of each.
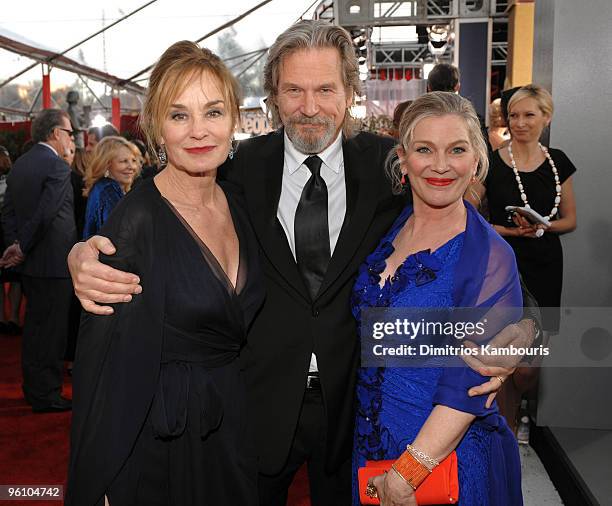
(396, 55)
(500, 53)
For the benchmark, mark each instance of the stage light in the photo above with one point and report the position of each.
(438, 39)
(99, 121)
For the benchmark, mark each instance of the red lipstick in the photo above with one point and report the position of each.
(435, 181)
(199, 150)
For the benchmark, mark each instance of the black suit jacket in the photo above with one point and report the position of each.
(290, 326)
(38, 211)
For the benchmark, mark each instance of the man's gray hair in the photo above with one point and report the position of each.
(45, 122)
(312, 34)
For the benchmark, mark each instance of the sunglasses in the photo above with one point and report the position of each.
(69, 132)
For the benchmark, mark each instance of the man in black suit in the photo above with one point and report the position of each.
(38, 221)
(319, 202)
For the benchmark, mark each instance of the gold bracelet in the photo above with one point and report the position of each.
(422, 457)
(411, 470)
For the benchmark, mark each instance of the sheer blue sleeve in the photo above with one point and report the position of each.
(500, 298)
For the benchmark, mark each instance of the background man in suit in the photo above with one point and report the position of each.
(319, 202)
(38, 221)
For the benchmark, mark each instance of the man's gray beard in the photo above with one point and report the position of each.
(310, 144)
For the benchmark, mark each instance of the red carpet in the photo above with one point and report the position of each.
(35, 447)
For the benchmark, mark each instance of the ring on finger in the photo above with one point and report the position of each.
(501, 379)
(371, 491)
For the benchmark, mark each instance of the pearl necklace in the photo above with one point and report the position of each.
(555, 208)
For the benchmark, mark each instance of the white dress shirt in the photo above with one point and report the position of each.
(295, 177)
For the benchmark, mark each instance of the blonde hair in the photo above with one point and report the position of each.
(138, 155)
(541, 95)
(177, 67)
(496, 117)
(312, 34)
(434, 105)
(102, 157)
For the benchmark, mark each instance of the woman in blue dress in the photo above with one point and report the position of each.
(108, 177)
(438, 253)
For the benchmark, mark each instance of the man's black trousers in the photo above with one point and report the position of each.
(44, 338)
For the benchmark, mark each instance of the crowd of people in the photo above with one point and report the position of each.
(219, 347)
(45, 210)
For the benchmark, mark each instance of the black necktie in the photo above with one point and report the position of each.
(311, 229)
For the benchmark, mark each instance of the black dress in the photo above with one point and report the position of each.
(80, 204)
(540, 260)
(181, 435)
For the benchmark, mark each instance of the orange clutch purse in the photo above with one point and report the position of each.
(440, 487)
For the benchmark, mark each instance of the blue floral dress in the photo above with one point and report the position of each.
(394, 403)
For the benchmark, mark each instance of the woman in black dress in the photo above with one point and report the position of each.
(525, 173)
(159, 402)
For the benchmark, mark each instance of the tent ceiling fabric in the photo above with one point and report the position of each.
(234, 29)
(44, 55)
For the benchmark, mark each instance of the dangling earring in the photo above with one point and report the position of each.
(231, 152)
(475, 174)
(473, 192)
(107, 173)
(161, 154)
